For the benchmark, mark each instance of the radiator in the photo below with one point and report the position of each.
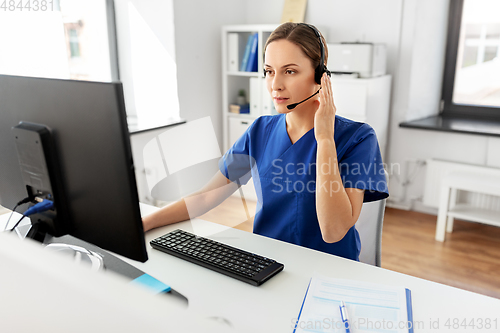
(438, 169)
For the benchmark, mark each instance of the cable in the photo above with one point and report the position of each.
(38, 208)
(12, 213)
(25, 200)
(17, 223)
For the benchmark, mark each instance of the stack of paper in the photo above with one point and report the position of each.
(370, 307)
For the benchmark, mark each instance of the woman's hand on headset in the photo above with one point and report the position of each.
(324, 119)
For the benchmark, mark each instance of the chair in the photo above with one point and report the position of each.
(369, 226)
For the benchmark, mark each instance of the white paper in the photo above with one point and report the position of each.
(370, 307)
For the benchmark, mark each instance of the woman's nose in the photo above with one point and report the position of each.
(277, 84)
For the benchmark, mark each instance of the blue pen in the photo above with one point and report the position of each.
(343, 315)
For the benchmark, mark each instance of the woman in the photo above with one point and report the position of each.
(312, 169)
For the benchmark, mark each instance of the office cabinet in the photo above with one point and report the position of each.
(234, 42)
(365, 100)
(238, 126)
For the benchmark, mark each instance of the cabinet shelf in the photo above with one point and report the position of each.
(234, 40)
(475, 214)
(241, 115)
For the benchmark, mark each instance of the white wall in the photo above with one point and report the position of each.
(195, 26)
(342, 20)
(146, 59)
(414, 32)
(416, 93)
(198, 27)
(197, 35)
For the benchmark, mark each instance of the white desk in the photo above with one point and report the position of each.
(273, 306)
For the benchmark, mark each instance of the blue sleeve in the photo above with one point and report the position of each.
(236, 164)
(362, 167)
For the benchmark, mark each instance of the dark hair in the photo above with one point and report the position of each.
(302, 36)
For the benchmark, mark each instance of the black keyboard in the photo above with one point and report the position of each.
(242, 265)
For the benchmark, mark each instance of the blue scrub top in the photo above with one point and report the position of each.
(285, 178)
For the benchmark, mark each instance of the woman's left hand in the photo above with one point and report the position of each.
(324, 118)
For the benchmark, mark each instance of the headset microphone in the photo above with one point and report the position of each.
(292, 106)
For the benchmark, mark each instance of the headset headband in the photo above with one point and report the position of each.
(318, 72)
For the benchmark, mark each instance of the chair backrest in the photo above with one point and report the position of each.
(369, 226)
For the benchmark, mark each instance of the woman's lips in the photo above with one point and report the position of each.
(280, 100)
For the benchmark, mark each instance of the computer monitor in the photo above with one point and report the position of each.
(87, 122)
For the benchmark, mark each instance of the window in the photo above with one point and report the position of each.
(68, 39)
(148, 66)
(74, 44)
(471, 85)
(77, 39)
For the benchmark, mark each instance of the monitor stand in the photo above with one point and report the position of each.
(113, 263)
(110, 262)
(38, 232)
(79, 254)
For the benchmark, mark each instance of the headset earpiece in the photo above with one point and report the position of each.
(318, 72)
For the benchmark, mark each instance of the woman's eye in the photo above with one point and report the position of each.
(289, 71)
(268, 72)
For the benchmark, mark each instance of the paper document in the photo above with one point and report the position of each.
(370, 307)
(294, 11)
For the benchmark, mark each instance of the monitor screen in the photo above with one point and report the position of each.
(88, 124)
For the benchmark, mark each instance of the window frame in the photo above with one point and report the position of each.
(448, 108)
(112, 38)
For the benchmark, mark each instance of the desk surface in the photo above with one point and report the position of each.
(273, 306)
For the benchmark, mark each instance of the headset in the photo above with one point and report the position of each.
(321, 68)
(318, 71)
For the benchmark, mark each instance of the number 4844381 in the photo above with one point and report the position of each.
(474, 323)
(27, 5)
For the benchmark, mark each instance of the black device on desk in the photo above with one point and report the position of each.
(86, 142)
(236, 263)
